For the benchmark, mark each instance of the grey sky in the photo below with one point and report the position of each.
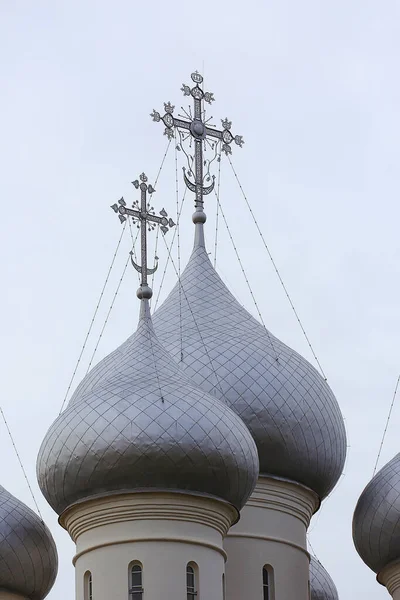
(313, 88)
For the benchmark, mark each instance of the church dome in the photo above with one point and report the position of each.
(321, 584)
(376, 520)
(288, 407)
(28, 555)
(136, 422)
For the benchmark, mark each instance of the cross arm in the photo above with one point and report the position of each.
(170, 121)
(215, 133)
(124, 210)
(225, 135)
(157, 219)
(181, 123)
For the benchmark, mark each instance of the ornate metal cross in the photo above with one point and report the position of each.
(146, 219)
(199, 131)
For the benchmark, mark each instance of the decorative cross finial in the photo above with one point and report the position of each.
(145, 219)
(200, 132)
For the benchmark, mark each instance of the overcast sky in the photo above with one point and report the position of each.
(313, 87)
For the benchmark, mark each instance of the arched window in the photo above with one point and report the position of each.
(268, 582)
(191, 584)
(223, 586)
(88, 584)
(136, 582)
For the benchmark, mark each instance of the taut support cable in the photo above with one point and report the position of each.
(169, 249)
(133, 249)
(246, 279)
(217, 212)
(21, 464)
(387, 425)
(277, 271)
(110, 308)
(179, 247)
(93, 319)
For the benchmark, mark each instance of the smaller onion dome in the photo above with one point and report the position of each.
(376, 520)
(138, 423)
(28, 555)
(321, 584)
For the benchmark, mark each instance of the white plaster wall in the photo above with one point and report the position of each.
(164, 570)
(271, 531)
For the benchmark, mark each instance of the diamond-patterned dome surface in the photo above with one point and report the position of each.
(321, 584)
(287, 406)
(376, 520)
(137, 422)
(28, 555)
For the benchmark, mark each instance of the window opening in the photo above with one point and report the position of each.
(88, 583)
(136, 589)
(266, 584)
(191, 583)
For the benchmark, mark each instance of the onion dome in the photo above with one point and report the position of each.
(376, 520)
(321, 584)
(28, 555)
(288, 407)
(135, 423)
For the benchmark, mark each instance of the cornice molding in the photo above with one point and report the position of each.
(177, 539)
(99, 512)
(284, 496)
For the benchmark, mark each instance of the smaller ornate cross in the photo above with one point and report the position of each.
(145, 218)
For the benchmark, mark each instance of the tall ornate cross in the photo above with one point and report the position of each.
(199, 131)
(145, 218)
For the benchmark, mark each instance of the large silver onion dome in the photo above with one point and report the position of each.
(287, 406)
(321, 583)
(28, 555)
(376, 520)
(137, 422)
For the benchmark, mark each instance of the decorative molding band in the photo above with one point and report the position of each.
(98, 512)
(285, 496)
(269, 538)
(157, 539)
(390, 577)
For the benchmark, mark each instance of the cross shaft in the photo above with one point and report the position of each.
(145, 218)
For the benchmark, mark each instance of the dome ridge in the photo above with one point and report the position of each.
(28, 555)
(138, 422)
(286, 404)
